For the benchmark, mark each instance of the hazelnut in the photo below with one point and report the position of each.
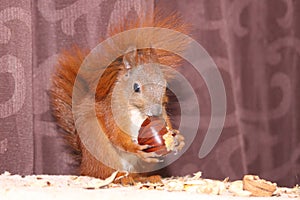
(151, 133)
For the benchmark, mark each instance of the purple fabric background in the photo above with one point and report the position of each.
(255, 44)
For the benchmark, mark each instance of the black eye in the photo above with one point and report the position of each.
(136, 87)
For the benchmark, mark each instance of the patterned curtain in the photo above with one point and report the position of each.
(255, 44)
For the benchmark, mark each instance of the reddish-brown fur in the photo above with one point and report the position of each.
(62, 88)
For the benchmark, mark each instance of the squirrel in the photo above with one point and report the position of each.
(127, 78)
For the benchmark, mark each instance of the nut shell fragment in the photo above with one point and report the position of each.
(258, 187)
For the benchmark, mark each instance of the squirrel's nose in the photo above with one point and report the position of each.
(155, 110)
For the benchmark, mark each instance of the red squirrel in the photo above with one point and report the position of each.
(126, 78)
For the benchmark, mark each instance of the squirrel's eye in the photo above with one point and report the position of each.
(136, 87)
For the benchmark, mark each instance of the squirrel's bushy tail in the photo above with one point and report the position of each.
(61, 90)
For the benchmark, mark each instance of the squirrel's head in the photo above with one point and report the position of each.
(143, 83)
(145, 89)
(140, 89)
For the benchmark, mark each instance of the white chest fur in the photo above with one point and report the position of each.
(136, 121)
(129, 161)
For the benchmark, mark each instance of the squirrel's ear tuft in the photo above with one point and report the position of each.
(126, 63)
(130, 59)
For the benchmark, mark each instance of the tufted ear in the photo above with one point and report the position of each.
(140, 56)
(130, 59)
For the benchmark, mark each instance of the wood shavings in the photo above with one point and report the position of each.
(125, 173)
(174, 185)
(236, 188)
(194, 185)
(7, 181)
(197, 175)
(290, 192)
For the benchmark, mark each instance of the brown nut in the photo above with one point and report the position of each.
(258, 187)
(151, 133)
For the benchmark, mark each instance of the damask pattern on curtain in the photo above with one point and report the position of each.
(255, 44)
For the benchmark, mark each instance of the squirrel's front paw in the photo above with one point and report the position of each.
(150, 157)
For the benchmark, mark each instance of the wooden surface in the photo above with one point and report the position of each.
(255, 45)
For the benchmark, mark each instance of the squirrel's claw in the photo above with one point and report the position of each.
(144, 147)
(150, 157)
